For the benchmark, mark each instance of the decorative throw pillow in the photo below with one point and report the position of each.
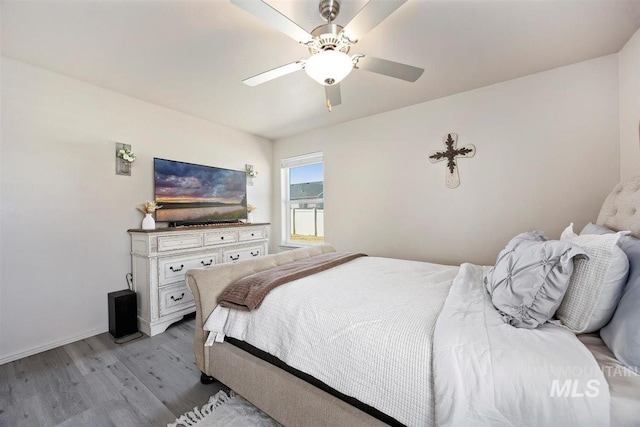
(596, 284)
(530, 278)
(622, 334)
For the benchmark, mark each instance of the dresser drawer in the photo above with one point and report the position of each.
(220, 238)
(251, 234)
(173, 269)
(174, 298)
(242, 254)
(187, 241)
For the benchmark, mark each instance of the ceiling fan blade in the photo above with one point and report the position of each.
(389, 68)
(274, 74)
(271, 16)
(332, 93)
(373, 13)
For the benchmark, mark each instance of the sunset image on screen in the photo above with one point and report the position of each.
(197, 193)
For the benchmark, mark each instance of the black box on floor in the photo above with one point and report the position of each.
(123, 307)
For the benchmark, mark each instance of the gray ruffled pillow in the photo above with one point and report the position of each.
(530, 278)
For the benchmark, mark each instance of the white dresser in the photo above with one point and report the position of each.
(160, 258)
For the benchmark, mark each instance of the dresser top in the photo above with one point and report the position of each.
(198, 227)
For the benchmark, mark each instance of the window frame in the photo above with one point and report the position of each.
(285, 165)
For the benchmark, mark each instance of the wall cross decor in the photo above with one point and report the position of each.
(450, 154)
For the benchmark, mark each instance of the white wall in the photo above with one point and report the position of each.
(547, 154)
(65, 214)
(630, 108)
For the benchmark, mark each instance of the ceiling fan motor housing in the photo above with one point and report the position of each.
(329, 9)
(328, 37)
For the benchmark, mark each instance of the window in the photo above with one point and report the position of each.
(303, 200)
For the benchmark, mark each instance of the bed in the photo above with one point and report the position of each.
(435, 352)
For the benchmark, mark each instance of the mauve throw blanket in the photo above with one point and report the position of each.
(248, 293)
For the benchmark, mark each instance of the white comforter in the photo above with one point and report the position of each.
(489, 373)
(366, 329)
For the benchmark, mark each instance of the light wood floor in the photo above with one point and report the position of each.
(95, 382)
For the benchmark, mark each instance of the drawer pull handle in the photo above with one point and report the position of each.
(221, 237)
(175, 270)
(234, 259)
(251, 234)
(256, 253)
(207, 264)
(177, 299)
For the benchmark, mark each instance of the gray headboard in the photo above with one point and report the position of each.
(621, 209)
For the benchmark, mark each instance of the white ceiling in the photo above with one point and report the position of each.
(191, 55)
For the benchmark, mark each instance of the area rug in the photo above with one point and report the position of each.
(225, 410)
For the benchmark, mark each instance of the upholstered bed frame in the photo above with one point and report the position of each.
(293, 401)
(621, 209)
(287, 398)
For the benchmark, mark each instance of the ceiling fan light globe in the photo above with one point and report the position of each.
(328, 67)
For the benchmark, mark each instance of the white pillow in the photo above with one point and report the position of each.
(596, 284)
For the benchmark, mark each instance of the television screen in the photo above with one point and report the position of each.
(197, 194)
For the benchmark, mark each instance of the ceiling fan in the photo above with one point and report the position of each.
(329, 45)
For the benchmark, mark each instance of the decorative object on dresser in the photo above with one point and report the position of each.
(160, 258)
(148, 208)
(450, 154)
(250, 209)
(148, 223)
(124, 158)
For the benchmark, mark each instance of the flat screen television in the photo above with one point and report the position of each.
(198, 194)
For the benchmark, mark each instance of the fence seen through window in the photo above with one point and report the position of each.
(306, 203)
